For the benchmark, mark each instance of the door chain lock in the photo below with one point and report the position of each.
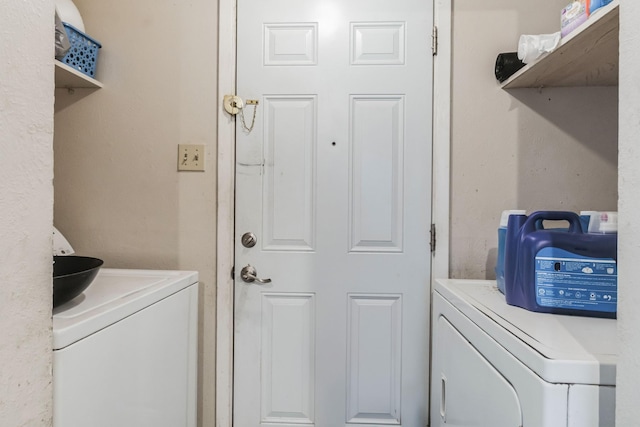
(233, 105)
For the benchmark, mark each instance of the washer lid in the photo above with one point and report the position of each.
(114, 295)
(560, 349)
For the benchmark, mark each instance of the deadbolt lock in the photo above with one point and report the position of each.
(249, 240)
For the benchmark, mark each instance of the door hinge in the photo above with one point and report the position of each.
(432, 237)
(233, 272)
(434, 41)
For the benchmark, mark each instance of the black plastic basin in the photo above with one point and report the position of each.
(72, 275)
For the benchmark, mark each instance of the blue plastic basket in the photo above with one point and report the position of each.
(83, 53)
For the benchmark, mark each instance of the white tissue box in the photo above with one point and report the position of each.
(574, 14)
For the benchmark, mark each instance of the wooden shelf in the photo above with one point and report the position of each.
(67, 77)
(588, 56)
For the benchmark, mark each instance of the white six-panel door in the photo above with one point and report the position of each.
(334, 180)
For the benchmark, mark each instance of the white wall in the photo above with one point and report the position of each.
(118, 195)
(628, 378)
(551, 149)
(26, 212)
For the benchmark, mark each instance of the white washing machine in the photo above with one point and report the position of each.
(125, 351)
(496, 365)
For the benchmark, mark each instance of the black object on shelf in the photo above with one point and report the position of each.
(507, 64)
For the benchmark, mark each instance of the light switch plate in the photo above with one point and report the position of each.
(191, 157)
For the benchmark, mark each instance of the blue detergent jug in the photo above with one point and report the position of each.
(502, 237)
(597, 4)
(562, 272)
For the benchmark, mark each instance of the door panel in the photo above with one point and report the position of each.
(374, 359)
(288, 376)
(334, 180)
(289, 182)
(376, 173)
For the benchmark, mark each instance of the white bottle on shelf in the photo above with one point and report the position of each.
(69, 13)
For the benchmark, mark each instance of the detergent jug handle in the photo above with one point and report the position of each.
(534, 222)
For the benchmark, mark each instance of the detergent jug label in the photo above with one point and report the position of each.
(566, 280)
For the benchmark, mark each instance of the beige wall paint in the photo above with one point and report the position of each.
(628, 374)
(118, 195)
(551, 149)
(26, 212)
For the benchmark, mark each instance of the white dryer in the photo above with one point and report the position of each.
(125, 351)
(496, 365)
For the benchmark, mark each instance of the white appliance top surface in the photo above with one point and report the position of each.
(113, 295)
(559, 348)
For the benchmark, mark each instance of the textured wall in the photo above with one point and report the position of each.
(118, 195)
(528, 149)
(26, 212)
(628, 410)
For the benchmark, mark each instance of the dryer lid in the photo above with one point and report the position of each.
(112, 296)
(560, 349)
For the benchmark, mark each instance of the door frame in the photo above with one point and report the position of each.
(442, 15)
